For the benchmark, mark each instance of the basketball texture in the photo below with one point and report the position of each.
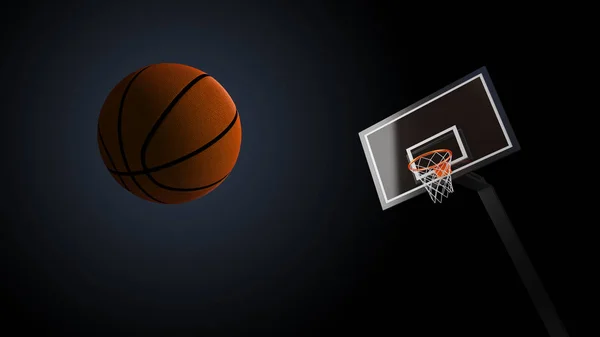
(169, 133)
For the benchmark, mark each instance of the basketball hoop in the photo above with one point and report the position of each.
(433, 169)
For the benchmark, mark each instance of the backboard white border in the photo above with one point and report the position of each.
(512, 144)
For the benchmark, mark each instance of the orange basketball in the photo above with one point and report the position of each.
(442, 169)
(169, 133)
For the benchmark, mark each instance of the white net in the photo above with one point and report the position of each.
(433, 170)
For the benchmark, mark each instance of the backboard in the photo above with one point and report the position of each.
(466, 117)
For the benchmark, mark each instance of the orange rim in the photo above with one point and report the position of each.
(427, 154)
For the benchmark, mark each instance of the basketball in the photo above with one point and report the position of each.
(442, 169)
(169, 133)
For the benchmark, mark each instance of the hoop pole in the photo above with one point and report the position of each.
(515, 249)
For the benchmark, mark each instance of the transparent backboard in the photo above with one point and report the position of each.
(466, 117)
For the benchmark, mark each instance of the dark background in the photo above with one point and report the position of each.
(295, 241)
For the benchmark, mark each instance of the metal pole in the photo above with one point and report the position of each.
(515, 249)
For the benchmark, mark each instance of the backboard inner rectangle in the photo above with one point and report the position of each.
(449, 139)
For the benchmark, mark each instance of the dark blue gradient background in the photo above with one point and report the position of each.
(294, 242)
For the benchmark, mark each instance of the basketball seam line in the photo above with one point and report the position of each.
(110, 157)
(186, 189)
(157, 124)
(120, 136)
(183, 158)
